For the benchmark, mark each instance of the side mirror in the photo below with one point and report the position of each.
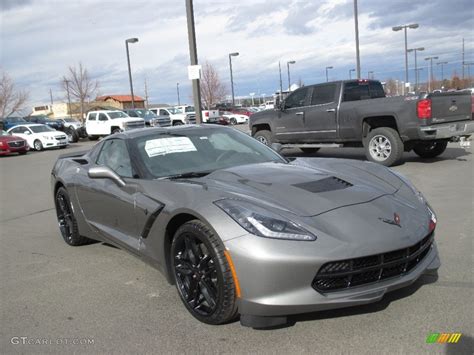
(102, 172)
(277, 147)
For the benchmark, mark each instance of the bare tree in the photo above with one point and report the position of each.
(212, 89)
(391, 87)
(11, 99)
(78, 84)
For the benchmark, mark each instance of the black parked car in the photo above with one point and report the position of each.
(8, 122)
(43, 119)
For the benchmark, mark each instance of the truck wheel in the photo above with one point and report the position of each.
(309, 150)
(430, 149)
(383, 145)
(177, 123)
(116, 130)
(264, 137)
(72, 135)
(93, 138)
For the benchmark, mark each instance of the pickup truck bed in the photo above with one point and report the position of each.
(357, 113)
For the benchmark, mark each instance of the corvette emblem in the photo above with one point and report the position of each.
(395, 221)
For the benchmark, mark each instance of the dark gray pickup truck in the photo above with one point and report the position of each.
(356, 113)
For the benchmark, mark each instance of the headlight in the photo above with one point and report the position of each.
(263, 223)
(48, 138)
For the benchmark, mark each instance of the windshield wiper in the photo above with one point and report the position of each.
(192, 174)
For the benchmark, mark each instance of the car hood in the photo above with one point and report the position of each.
(10, 138)
(306, 187)
(51, 134)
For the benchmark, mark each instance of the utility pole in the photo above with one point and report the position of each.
(463, 59)
(146, 93)
(177, 91)
(69, 99)
(194, 59)
(281, 83)
(430, 81)
(51, 97)
(356, 23)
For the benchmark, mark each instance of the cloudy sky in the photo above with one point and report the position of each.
(41, 38)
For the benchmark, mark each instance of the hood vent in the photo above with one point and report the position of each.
(330, 183)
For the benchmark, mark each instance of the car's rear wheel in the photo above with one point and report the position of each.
(177, 123)
(38, 145)
(202, 274)
(72, 135)
(309, 150)
(430, 149)
(93, 138)
(66, 219)
(264, 137)
(383, 145)
(116, 130)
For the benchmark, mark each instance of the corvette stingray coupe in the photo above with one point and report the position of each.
(241, 230)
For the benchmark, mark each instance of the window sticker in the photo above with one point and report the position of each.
(163, 146)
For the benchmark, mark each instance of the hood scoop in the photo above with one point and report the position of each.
(330, 183)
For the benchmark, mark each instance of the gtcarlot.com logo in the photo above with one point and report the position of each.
(51, 341)
(443, 338)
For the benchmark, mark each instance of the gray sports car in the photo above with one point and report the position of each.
(240, 229)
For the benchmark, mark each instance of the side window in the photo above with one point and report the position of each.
(92, 116)
(297, 99)
(114, 154)
(164, 113)
(355, 91)
(19, 130)
(132, 114)
(323, 94)
(102, 117)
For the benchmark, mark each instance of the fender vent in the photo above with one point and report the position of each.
(330, 183)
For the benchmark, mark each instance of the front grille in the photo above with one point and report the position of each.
(134, 125)
(16, 144)
(344, 274)
(163, 122)
(191, 119)
(60, 138)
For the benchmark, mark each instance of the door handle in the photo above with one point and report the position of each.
(299, 113)
(331, 110)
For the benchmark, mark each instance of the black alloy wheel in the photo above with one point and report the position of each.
(202, 275)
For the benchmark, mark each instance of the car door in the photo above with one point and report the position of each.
(321, 115)
(108, 207)
(103, 126)
(289, 125)
(91, 124)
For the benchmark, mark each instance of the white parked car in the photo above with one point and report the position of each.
(236, 118)
(105, 122)
(176, 116)
(40, 136)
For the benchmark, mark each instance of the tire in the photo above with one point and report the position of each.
(66, 219)
(177, 123)
(309, 150)
(116, 130)
(63, 147)
(72, 135)
(93, 138)
(211, 299)
(383, 145)
(233, 121)
(264, 137)
(38, 145)
(430, 149)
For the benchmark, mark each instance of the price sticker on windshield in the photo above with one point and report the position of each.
(163, 146)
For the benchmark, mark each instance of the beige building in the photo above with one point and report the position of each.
(122, 101)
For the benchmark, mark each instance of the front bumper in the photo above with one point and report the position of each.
(275, 284)
(446, 130)
(55, 143)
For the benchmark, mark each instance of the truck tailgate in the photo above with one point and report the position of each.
(450, 107)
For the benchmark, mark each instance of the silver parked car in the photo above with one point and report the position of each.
(240, 229)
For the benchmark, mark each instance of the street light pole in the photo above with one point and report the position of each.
(417, 75)
(235, 54)
(416, 63)
(327, 68)
(404, 27)
(368, 74)
(442, 69)
(177, 91)
(69, 99)
(127, 41)
(431, 71)
(356, 24)
(288, 69)
(350, 73)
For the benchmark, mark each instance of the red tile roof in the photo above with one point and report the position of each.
(120, 98)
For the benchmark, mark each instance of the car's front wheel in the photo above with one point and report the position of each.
(66, 219)
(72, 135)
(202, 274)
(430, 149)
(264, 137)
(309, 150)
(383, 145)
(38, 145)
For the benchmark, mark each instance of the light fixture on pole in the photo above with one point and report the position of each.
(416, 63)
(327, 68)
(404, 27)
(350, 73)
(288, 69)
(235, 54)
(430, 77)
(442, 69)
(127, 41)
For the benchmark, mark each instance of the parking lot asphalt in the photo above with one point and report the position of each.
(101, 296)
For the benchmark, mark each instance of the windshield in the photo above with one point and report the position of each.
(70, 120)
(199, 150)
(15, 119)
(117, 114)
(5, 133)
(189, 109)
(173, 110)
(145, 114)
(42, 128)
